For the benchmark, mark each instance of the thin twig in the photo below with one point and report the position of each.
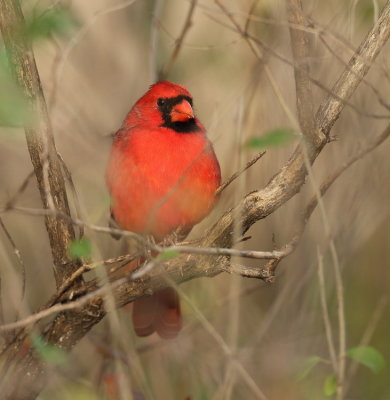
(45, 174)
(313, 27)
(75, 221)
(232, 328)
(358, 67)
(367, 336)
(82, 301)
(325, 313)
(252, 384)
(85, 268)
(19, 192)
(341, 323)
(352, 68)
(238, 173)
(214, 251)
(179, 41)
(312, 204)
(300, 45)
(18, 256)
(154, 35)
(259, 56)
(381, 100)
(77, 38)
(69, 178)
(250, 15)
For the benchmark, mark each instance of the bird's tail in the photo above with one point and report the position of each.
(158, 313)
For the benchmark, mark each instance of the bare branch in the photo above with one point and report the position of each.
(381, 100)
(69, 178)
(357, 68)
(325, 313)
(77, 38)
(300, 48)
(247, 378)
(238, 173)
(312, 204)
(154, 36)
(179, 41)
(367, 335)
(75, 221)
(39, 139)
(250, 39)
(20, 191)
(180, 249)
(18, 256)
(85, 268)
(81, 302)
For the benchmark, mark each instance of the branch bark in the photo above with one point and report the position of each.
(51, 185)
(39, 138)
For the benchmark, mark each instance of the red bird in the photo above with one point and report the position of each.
(162, 175)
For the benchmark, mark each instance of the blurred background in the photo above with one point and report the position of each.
(99, 58)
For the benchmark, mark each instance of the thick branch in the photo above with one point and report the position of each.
(39, 138)
(51, 185)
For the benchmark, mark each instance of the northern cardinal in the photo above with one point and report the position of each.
(162, 175)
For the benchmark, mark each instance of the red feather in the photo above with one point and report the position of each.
(162, 174)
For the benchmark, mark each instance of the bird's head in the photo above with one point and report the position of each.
(167, 105)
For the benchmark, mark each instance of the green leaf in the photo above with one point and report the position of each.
(167, 255)
(308, 364)
(330, 385)
(274, 138)
(79, 248)
(49, 353)
(367, 356)
(55, 20)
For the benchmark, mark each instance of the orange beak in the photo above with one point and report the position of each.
(182, 112)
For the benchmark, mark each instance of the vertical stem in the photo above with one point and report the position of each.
(325, 313)
(39, 138)
(24, 377)
(301, 53)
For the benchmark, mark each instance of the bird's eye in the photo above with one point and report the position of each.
(160, 102)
